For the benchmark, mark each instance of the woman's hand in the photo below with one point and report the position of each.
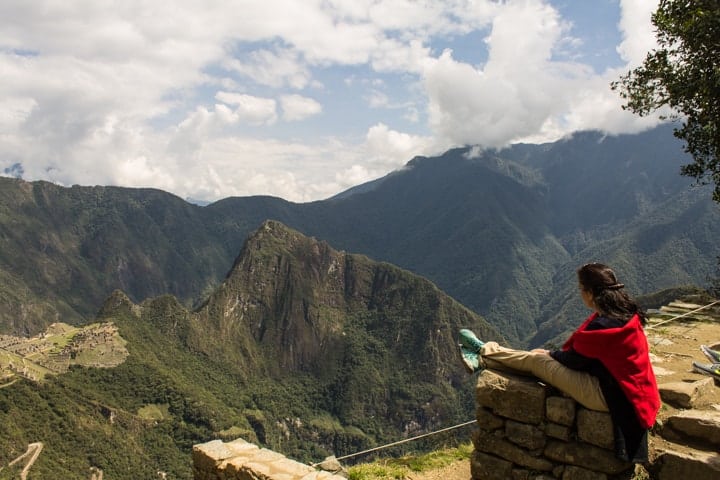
(541, 351)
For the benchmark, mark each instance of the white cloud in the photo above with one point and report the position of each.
(392, 148)
(523, 93)
(275, 69)
(166, 93)
(297, 107)
(250, 109)
(637, 30)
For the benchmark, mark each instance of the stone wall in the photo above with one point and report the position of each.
(530, 431)
(241, 460)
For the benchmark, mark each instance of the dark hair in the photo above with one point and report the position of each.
(608, 294)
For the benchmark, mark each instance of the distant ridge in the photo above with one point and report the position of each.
(500, 231)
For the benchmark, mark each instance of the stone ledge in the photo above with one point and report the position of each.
(241, 460)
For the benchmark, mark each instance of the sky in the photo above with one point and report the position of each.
(299, 99)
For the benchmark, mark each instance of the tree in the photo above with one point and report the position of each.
(683, 73)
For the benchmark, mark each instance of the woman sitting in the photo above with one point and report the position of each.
(604, 365)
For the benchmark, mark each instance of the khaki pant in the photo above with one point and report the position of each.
(581, 386)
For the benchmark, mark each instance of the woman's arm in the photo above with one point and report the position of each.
(572, 359)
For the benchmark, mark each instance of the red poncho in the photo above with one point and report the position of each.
(624, 352)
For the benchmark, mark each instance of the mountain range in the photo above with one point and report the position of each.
(301, 348)
(501, 231)
(316, 328)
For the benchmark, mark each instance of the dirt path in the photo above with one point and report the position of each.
(34, 449)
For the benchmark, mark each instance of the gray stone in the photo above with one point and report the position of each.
(698, 465)
(595, 428)
(332, 465)
(560, 410)
(206, 456)
(561, 432)
(585, 455)
(520, 474)
(703, 425)
(578, 473)
(487, 420)
(512, 396)
(242, 460)
(687, 394)
(524, 434)
(506, 450)
(488, 467)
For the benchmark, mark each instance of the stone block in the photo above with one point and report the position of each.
(700, 425)
(241, 447)
(488, 467)
(595, 428)
(206, 456)
(524, 435)
(577, 473)
(322, 476)
(520, 474)
(687, 394)
(560, 432)
(265, 455)
(512, 396)
(291, 467)
(487, 420)
(560, 410)
(241, 460)
(586, 456)
(500, 447)
(695, 465)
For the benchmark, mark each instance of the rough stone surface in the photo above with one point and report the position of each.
(697, 465)
(511, 396)
(507, 450)
(560, 432)
(587, 456)
(578, 473)
(698, 425)
(520, 474)
(488, 467)
(595, 428)
(560, 410)
(240, 460)
(687, 394)
(486, 420)
(525, 435)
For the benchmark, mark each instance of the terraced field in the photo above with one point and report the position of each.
(61, 345)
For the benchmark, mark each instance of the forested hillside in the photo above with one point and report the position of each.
(500, 231)
(303, 349)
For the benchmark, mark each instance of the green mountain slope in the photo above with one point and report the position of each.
(70, 247)
(302, 348)
(500, 231)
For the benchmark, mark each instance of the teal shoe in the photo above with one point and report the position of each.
(470, 360)
(713, 355)
(469, 341)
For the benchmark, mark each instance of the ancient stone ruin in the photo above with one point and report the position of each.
(241, 460)
(528, 431)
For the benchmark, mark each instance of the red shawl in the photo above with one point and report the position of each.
(624, 352)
